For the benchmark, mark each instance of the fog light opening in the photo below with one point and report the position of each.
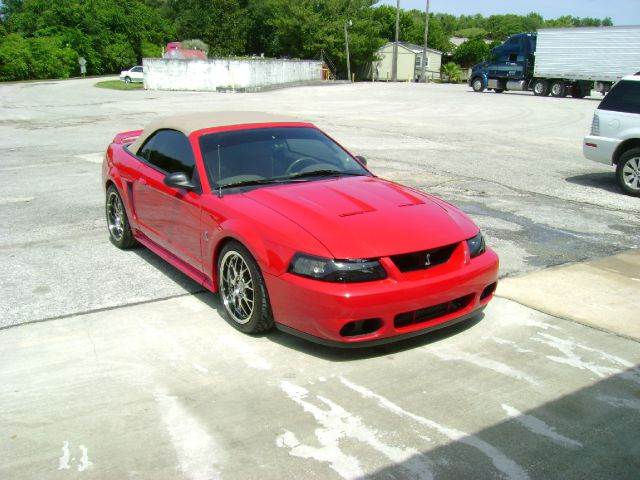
(488, 290)
(360, 327)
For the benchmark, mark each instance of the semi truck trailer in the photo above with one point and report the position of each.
(560, 61)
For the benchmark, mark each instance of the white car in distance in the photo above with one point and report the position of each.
(615, 133)
(134, 74)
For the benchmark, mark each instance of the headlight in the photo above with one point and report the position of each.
(476, 245)
(330, 270)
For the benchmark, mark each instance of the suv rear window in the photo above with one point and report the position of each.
(623, 97)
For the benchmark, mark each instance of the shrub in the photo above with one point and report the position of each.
(452, 72)
(40, 57)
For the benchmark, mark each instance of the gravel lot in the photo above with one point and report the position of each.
(135, 375)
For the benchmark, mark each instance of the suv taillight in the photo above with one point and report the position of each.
(595, 125)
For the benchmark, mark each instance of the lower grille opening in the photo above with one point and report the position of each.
(488, 290)
(360, 327)
(429, 313)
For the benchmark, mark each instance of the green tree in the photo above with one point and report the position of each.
(470, 52)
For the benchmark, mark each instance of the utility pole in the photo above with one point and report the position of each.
(347, 23)
(394, 60)
(423, 76)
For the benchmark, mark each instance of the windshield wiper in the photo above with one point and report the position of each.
(248, 183)
(327, 172)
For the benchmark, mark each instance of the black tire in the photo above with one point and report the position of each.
(558, 89)
(540, 88)
(477, 84)
(120, 233)
(498, 90)
(577, 91)
(127, 79)
(260, 318)
(628, 169)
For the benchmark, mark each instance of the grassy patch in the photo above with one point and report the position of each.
(119, 85)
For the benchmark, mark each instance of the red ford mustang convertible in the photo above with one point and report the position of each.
(293, 231)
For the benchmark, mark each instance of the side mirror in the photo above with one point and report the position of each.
(361, 159)
(179, 180)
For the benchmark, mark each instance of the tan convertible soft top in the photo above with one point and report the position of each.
(192, 122)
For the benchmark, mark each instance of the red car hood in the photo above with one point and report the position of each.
(366, 217)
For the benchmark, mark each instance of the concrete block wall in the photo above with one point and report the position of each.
(218, 73)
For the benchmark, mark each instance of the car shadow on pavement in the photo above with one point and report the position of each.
(602, 180)
(169, 270)
(588, 433)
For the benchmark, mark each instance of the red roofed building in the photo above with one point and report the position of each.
(175, 50)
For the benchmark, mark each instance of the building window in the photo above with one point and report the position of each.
(419, 61)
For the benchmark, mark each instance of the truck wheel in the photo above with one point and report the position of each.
(541, 88)
(577, 91)
(498, 90)
(477, 84)
(558, 89)
(628, 172)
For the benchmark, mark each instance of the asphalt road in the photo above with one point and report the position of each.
(512, 161)
(128, 374)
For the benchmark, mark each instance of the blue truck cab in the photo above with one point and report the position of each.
(510, 66)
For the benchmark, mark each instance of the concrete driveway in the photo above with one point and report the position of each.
(114, 365)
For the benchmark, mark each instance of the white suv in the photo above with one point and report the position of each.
(615, 133)
(134, 74)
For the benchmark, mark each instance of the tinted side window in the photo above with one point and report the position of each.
(145, 151)
(170, 151)
(624, 97)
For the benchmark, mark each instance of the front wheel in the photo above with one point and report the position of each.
(242, 290)
(127, 79)
(541, 88)
(628, 172)
(477, 85)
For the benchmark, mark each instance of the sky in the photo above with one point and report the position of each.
(622, 12)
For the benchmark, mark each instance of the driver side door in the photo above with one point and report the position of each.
(170, 216)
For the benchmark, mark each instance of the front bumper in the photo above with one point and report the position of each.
(600, 149)
(319, 310)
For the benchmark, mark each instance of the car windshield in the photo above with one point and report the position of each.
(274, 155)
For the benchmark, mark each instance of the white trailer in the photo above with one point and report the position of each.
(596, 54)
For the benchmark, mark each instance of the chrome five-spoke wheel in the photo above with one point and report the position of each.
(115, 215)
(237, 287)
(243, 293)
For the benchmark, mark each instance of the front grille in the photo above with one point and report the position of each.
(409, 262)
(429, 313)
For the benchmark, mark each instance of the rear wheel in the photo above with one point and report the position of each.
(242, 290)
(558, 89)
(120, 232)
(628, 172)
(498, 90)
(541, 88)
(477, 84)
